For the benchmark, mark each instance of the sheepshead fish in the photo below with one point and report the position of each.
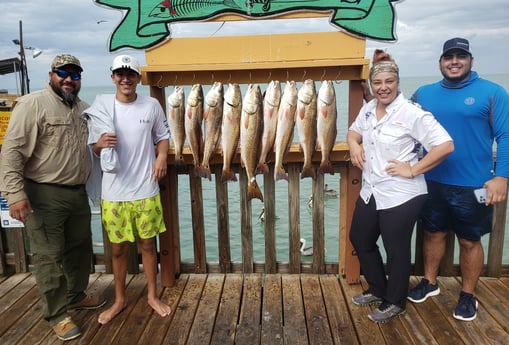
(193, 123)
(176, 114)
(271, 102)
(212, 116)
(284, 130)
(326, 124)
(230, 129)
(251, 127)
(306, 125)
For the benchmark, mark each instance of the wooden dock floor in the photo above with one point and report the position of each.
(258, 309)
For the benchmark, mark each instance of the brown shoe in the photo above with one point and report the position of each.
(89, 302)
(66, 329)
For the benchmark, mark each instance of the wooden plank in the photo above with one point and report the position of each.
(497, 237)
(272, 311)
(469, 332)
(293, 310)
(318, 226)
(203, 323)
(104, 334)
(10, 313)
(180, 326)
(492, 314)
(11, 282)
(167, 246)
(368, 332)
(159, 325)
(269, 205)
(316, 316)
(223, 221)
(196, 193)
(293, 170)
(226, 320)
(248, 331)
(342, 330)
(246, 225)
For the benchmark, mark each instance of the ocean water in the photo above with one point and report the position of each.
(331, 207)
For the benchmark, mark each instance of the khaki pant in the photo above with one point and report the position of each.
(61, 240)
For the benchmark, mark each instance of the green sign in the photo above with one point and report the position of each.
(146, 21)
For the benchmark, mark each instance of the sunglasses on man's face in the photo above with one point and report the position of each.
(64, 74)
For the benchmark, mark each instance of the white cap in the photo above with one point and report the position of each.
(125, 61)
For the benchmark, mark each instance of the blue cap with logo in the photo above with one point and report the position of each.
(456, 43)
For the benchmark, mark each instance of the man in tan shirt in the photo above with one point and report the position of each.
(45, 163)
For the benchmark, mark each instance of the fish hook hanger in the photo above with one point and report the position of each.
(323, 74)
(175, 81)
(268, 78)
(229, 78)
(339, 73)
(158, 84)
(211, 78)
(304, 75)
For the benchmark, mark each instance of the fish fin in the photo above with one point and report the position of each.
(326, 167)
(253, 191)
(228, 175)
(308, 171)
(280, 174)
(262, 168)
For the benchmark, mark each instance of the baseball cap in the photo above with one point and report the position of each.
(65, 59)
(456, 43)
(125, 61)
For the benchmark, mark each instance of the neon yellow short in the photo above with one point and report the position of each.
(126, 220)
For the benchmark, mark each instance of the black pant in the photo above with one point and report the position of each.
(396, 226)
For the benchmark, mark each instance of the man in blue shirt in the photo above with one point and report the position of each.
(475, 112)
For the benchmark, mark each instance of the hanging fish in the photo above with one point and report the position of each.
(271, 102)
(176, 114)
(230, 129)
(193, 124)
(285, 127)
(212, 116)
(306, 125)
(326, 125)
(251, 127)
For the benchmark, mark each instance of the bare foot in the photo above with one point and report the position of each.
(107, 315)
(160, 307)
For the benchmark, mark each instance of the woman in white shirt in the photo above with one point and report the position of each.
(385, 140)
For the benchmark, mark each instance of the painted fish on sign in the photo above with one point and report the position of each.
(147, 23)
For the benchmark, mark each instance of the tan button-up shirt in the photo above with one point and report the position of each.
(46, 141)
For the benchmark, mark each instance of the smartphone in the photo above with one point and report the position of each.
(480, 195)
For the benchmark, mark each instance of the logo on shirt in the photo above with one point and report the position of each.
(142, 121)
(469, 100)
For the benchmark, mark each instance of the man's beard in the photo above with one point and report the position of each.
(68, 97)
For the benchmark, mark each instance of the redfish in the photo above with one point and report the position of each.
(212, 116)
(326, 124)
(271, 102)
(306, 125)
(251, 127)
(230, 129)
(285, 128)
(176, 114)
(193, 124)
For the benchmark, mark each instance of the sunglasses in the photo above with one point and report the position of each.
(64, 74)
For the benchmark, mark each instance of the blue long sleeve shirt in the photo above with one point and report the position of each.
(475, 112)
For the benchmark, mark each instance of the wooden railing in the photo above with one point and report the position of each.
(15, 255)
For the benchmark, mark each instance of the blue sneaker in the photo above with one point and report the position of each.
(466, 310)
(422, 291)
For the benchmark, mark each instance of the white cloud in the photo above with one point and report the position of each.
(57, 26)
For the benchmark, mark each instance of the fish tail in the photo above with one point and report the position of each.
(205, 172)
(308, 171)
(326, 167)
(253, 191)
(280, 174)
(228, 175)
(262, 168)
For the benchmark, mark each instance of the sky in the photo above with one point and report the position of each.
(83, 28)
